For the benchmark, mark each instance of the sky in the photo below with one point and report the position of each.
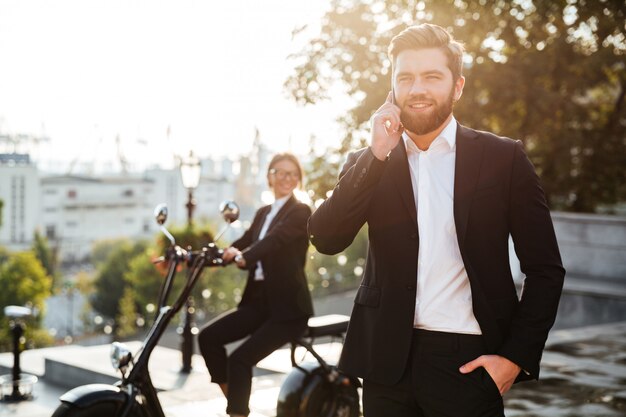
(85, 72)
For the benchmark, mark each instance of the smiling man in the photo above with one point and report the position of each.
(437, 327)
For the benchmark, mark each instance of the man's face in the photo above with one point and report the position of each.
(424, 88)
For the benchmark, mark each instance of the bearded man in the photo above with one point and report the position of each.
(437, 327)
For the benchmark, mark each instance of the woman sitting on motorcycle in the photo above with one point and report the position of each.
(276, 302)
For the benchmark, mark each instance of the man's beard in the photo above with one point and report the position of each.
(421, 124)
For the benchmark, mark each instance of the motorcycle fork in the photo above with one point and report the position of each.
(148, 401)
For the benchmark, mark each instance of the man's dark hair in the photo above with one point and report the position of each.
(427, 35)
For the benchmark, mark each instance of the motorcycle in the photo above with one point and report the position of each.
(318, 389)
(310, 390)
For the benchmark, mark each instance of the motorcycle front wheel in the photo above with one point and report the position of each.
(98, 409)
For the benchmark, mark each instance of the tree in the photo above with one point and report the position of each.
(1, 207)
(126, 318)
(46, 256)
(4, 255)
(549, 73)
(110, 283)
(102, 249)
(24, 282)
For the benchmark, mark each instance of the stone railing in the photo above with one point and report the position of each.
(592, 245)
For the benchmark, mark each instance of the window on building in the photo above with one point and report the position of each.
(128, 193)
(51, 232)
(71, 194)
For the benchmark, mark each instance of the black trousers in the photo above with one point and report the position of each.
(265, 337)
(432, 385)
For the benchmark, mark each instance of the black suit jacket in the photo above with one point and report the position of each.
(496, 194)
(282, 253)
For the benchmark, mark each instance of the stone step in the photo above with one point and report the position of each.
(72, 366)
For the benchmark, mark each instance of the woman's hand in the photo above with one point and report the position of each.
(240, 260)
(230, 253)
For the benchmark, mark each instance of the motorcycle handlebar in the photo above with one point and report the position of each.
(176, 253)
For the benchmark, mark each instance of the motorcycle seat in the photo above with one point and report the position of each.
(328, 325)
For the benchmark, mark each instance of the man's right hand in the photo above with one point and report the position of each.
(386, 128)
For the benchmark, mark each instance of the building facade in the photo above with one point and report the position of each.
(20, 196)
(75, 211)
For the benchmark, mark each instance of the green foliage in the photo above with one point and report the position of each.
(145, 278)
(322, 170)
(1, 207)
(330, 274)
(110, 283)
(549, 73)
(220, 290)
(24, 282)
(126, 318)
(4, 255)
(46, 256)
(102, 249)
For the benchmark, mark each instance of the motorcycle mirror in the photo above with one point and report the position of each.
(230, 213)
(160, 214)
(229, 210)
(120, 356)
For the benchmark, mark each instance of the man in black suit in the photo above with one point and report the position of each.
(437, 327)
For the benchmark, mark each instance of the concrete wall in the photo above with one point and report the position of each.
(592, 245)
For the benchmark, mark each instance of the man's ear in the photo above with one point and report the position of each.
(458, 88)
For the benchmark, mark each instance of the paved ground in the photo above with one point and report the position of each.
(583, 374)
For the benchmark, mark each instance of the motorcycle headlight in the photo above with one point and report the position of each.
(120, 356)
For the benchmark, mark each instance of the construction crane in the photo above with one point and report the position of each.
(120, 155)
(15, 142)
(123, 160)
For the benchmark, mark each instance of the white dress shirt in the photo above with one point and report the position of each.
(444, 297)
(276, 206)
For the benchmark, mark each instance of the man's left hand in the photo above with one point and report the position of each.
(502, 371)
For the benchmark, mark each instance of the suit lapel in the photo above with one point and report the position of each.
(400, 172)
(469, 155)
(259, 225)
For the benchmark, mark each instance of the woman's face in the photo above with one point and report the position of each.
(283, 178)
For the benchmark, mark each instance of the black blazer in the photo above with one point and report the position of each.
(282, 253)
(496, 193)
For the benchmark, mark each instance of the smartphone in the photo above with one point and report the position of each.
(393, 99)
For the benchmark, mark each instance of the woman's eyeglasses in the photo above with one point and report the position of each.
(281, 175)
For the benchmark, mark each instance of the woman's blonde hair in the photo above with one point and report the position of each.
(286, 156)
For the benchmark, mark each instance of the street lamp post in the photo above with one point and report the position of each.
(190, 174)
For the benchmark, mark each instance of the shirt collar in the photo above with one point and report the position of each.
(278, 204)
(448, 134)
